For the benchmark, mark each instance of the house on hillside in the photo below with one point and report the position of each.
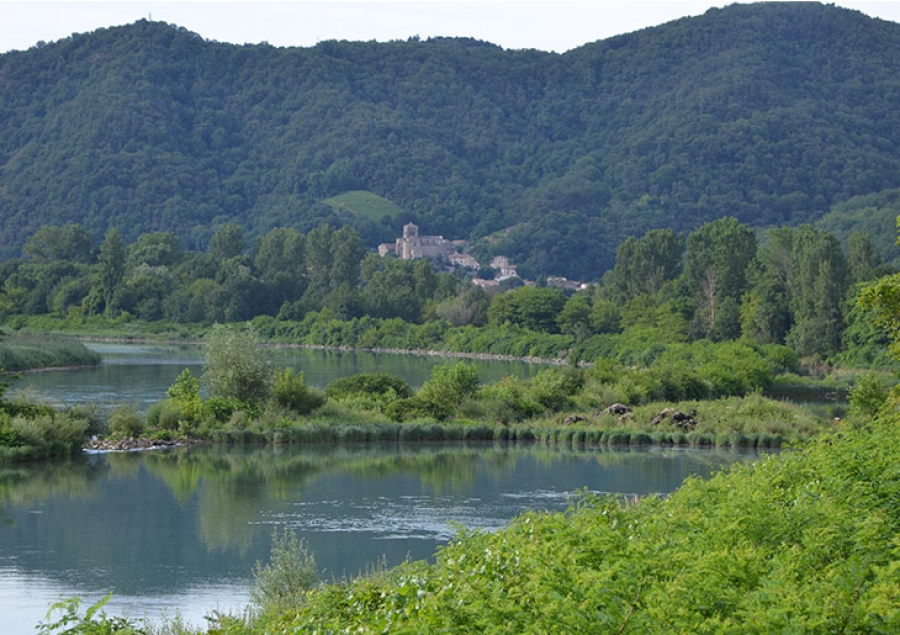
(464, 260)
(504, 268)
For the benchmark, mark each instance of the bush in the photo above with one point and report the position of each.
(164, 415)
(221, 409)
(403, 409)
(290, 391)
(237, 364)
(125, 421)
(508, 401)
(185, 392)
(554, 387)
(282, 583)
(868, 396)
(447, 387)
(94, 621)
(43, 435)
(370, 384)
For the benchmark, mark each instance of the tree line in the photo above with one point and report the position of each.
(794, 287)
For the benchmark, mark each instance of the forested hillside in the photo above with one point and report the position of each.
(774, 113)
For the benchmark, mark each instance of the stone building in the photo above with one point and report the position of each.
(412, 245)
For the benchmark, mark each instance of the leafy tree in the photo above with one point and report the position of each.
(157, 249)
(70, 243)
(347, 250)
(606, 315)
(391, 291)
(236, 364)
(575, 318)
(228, 242)
(320, 259)
(111, 268)
(282, 583)
(818, 284)
(716, 261)
(185, 392)
(882, 298)
(289, 390)
(469, 307)
(529, 307)
(863, 261)
(644, 264)
(448, 386)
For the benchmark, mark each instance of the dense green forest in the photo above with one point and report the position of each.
(774, 113)
(795, 288)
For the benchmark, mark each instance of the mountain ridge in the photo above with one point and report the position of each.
(771, 112)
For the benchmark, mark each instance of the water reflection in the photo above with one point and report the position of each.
(165, 528)
(141, 374)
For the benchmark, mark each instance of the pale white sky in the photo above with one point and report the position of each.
(513, 24)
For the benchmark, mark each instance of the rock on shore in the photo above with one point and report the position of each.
(129, 444)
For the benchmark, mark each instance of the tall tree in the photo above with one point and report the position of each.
(644, 264)
(818, 285)
(716, 261)
(70, 243)
(320, 258)
(157, 249)
(863, 259)
(347, 250)
(110, 270)
(532, 308)
(228, 242)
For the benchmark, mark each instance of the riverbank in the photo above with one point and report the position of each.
(737, 422)
(796, 541)
(21, 352)
(721, 551)
(134, 444)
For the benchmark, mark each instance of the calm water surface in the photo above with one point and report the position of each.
(141, 374)
(181, 531)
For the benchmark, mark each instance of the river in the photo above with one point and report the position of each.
(140, 374)
(180, 531)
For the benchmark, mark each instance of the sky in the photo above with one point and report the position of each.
(513, 24)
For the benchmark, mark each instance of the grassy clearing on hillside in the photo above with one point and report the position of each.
(365, 204)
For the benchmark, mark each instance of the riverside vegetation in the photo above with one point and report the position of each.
(806, 540)
(246, 400)
(803, 541)
(31, 431)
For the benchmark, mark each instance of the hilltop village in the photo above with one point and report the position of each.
(412, 245)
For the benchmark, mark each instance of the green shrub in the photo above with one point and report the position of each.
(283, 582)
(509, 401)
(125, 421)
(370, 384)
(185, 392)
(868, 396)
(447, 387)
(93, 622)
(236, 364)
(553, 387)
(164, 415)
(290, 391)
(221, 409)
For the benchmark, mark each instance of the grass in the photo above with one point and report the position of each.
(21, 351)
(364, 204)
